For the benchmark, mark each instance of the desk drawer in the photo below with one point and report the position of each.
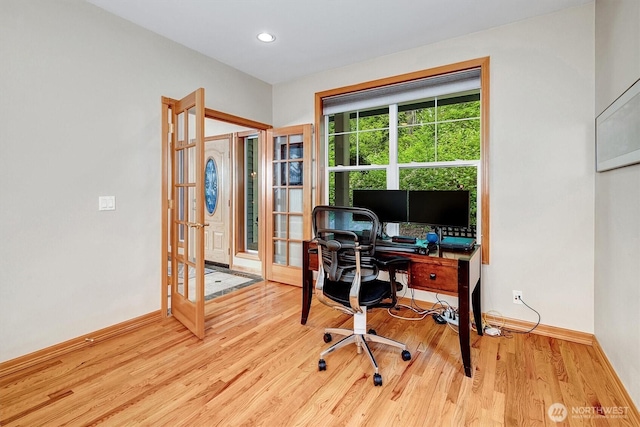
(313, 261)
(434, 277)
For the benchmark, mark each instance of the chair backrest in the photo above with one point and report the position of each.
(363, 222)
(346, 239)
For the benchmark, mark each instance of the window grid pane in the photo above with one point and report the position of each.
(359, 138)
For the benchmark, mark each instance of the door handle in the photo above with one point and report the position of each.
(197, 224)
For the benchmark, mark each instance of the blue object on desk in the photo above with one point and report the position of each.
(458, 243)
(432, 237)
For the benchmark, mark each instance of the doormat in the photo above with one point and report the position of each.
(221, 282)
(218, 281)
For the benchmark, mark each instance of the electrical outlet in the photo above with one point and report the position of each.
(517, 295)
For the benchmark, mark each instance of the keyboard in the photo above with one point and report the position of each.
(391, 246)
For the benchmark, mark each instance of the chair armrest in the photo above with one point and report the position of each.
(396, 261)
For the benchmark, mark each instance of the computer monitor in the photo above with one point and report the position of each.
(440, 208)
(388, 205)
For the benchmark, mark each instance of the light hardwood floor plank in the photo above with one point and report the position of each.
(258, 366)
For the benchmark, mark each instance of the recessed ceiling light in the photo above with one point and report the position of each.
(266, 37)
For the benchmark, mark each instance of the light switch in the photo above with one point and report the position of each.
(107, 203)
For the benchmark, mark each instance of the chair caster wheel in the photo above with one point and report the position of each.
(372, 332)
(327, 338)
(377, 379)
(322, 365)
(406, 355)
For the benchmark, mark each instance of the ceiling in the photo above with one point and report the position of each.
(317, 35)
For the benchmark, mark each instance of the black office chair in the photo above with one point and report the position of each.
(348, 276)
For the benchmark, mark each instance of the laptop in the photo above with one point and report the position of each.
(458, 243)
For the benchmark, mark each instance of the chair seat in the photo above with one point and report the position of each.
(371, 293)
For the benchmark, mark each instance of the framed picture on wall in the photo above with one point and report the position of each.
(618, 132)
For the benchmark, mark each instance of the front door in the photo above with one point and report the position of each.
(288, 210)
(217, 198)
(186, 212)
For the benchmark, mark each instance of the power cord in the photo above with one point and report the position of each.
(500, 330)
(447, 309)
(535, 326)
(422, 312)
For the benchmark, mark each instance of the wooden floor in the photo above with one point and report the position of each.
(259, 366)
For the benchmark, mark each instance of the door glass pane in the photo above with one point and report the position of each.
(186, 281)
(191, 241)
(280, 252)
(279, 200)
(180, 126)
(280, 148)
(180, 279)
(283, 174)
(191, 204)
(192, 218)
(295, 227)
(276, 174)
(295, 149)
(191, 159)
(295, 200)
(191, 129)
(180, 167)
(280, 226)
(180, 212)
(280, 173)
(295, 173)
(190, 287)
(295, 254)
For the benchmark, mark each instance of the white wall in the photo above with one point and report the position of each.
(80, 118)
(541, 155)
(617, 201)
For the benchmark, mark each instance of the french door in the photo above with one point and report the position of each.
(288, 201)
(286, 209)
(183, 194)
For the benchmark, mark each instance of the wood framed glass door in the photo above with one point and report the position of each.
(288, 201)
(184, 238)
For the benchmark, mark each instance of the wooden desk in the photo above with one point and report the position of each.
(449, 273)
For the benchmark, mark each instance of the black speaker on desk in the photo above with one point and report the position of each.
(403, 239)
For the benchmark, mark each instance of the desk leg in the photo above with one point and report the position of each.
(307, 294)
(477, 309)
(307, 283)
(463, 321)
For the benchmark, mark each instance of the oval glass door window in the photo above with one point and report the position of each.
(211, 185)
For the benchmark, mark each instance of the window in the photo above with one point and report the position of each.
(410, 133)
(251, 194)
(247, 193)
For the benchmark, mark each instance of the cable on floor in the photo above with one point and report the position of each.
(535, 326)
